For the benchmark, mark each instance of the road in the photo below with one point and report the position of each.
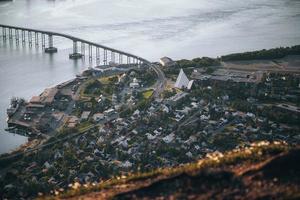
(161, 80)
(194, 118)
(85, 131)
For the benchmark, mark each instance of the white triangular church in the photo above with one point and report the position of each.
(183, 81)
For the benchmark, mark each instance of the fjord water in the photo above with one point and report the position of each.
(148, 28)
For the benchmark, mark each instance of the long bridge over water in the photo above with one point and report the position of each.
(46, 40)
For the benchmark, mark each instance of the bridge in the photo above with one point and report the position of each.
(46, 39)
(23, 35)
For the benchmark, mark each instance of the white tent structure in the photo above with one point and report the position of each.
(183, 81)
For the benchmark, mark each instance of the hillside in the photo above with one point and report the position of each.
(260, 171)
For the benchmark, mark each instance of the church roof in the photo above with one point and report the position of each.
(183, 81)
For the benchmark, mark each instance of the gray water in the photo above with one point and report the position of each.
(148, 28)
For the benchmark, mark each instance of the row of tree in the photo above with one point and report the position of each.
(253, 55)
(198, 62)
(263, 54)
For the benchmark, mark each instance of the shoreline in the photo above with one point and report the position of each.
(35, 138)
(244, 65)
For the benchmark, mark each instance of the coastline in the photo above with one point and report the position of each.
(247, 65)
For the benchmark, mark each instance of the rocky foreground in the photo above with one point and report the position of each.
(260, 171)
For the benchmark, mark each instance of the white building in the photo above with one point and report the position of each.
(85, 115)
(183, 81)
(135, 83)
(166, 61)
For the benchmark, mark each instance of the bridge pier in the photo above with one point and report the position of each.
(51, 48)
(128, 60)
(43, 40)
(90, 52)
(112, 59)
(98, 62)
(23, 36)
(105, 57)
(10, 34)
(4, 33)
(83, 49)
(75, 54)
(120, 59)
(29, 35)
(36, 38)
(17, 35)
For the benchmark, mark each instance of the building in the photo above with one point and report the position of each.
(183, 81)
(72, 121)
(98, 117)
(85, 115)
(35, 99)
(109, 112)
(135, 83)
(166, 61)
(47, 97)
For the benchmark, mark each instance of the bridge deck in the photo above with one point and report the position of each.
(76, 39)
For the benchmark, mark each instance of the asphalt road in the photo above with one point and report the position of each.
(161, 80)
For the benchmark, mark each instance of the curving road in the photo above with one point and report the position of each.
(161, 80)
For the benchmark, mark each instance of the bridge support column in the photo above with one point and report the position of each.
(98, 62)
(17, 35)
(23, 36)
(105, 57)
(120, 59)
(36, 38)
(4, 33)
(10, 33)
(90, 52)
(75, 54)
(83, 48)
(43, 40)
(128, 60)
(51, 48)
(30, 38)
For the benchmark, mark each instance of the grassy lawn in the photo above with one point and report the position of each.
(82, 95)
(105, 80)
(147, 94)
